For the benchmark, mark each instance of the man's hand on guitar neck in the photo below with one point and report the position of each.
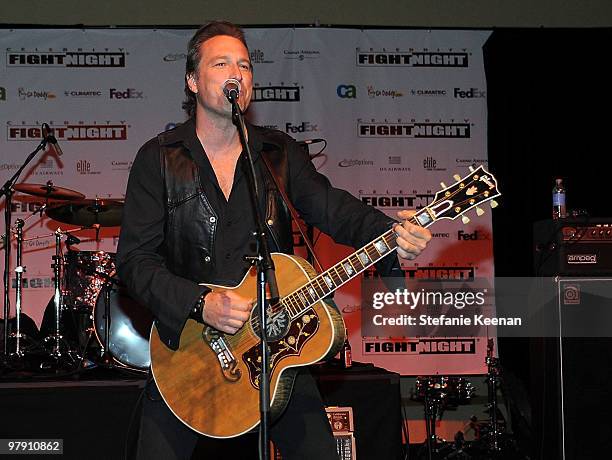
(412, 239)
(226, 311)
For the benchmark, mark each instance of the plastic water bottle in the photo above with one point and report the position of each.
(558, 198)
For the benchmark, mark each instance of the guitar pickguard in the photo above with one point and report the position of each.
(300, 331)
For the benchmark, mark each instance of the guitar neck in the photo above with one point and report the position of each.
(477, 187)
(327, 282)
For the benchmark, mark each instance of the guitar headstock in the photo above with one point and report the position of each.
(467, 193)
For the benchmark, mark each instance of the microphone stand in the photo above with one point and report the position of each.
(7, 192)
(265, 276)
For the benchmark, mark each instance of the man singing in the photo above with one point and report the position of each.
(188, 220)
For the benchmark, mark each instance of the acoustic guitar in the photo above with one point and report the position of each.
(211, 383)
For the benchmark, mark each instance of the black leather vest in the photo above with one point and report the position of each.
(191, 222)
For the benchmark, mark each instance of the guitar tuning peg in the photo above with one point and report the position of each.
(493, 204)
(465, 219)
(457, 177)
(472, 169)
(442, 184)
(479, 211)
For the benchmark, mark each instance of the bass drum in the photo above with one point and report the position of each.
(130, 327)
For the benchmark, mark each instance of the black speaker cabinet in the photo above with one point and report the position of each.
(572, 376)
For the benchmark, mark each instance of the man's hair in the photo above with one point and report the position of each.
(207, 31)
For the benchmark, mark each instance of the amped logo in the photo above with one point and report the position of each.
(65, 58)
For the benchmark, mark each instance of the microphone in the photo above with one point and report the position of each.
(47, 134)
(305, 145)
(231, 89)
(310, 141)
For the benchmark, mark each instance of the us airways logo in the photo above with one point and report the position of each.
(419, 130)
(78, 58)
(419, 346)
(70, 132)
(412, 58)
(399, 200)
(280, 93)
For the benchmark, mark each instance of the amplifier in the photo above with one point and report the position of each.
(573, 246)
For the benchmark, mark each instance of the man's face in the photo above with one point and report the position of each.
(222, 57)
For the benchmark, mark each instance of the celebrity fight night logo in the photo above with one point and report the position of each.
(80, 131)
(426, 129)
(399, 200)
(419, 346)
(65, 58)
(412, 58)
(280, 93)
(432, 273)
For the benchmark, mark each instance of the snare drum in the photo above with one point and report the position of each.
(130, 327)
(85, 273)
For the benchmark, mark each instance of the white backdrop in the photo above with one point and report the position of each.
(400, 110)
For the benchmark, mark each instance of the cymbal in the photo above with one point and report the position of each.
(49, 190)
(106, 213)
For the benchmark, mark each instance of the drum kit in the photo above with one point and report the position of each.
(90, 321)
(491, 440)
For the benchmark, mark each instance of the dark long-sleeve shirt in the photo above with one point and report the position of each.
(332, 210)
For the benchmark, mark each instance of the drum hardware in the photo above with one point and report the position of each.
(437, 393)
(47, 190)
(107, 327)
(19, 270)
(493, 380)
(60, 350)
(17, 336)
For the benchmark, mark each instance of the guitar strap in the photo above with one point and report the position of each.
(294, 213)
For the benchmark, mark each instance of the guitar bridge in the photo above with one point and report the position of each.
(227, 360)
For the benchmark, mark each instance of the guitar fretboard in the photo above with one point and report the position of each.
(327, 282)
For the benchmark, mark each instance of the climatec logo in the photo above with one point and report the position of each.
(276, 93)
(425, 129)
(65, 58)
(411, 58)
(70, 132)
